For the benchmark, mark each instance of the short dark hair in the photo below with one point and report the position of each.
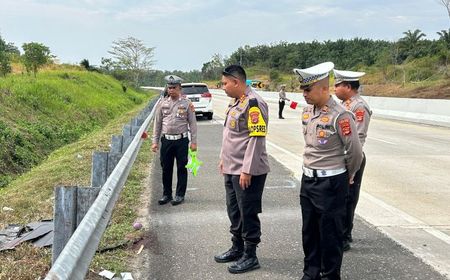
(354, 85)
(235, 71)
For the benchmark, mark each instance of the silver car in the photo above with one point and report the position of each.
(200, 96)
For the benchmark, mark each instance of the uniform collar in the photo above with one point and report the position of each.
(175, 100)
(326, 108)
(245, 95)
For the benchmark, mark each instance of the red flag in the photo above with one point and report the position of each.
(293, 105)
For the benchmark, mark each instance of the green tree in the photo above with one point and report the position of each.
(5, 60)
(133, 56)
(35, 56)
(410, 43)
(445, 36)
(85, 63)
(212, 70)
(444, 53)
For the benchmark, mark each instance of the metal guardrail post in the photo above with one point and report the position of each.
(74, 260)
(65, 215)
(99, 169)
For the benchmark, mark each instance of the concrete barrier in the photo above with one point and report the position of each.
(424, 111)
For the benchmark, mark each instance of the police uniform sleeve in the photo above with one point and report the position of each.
(192, 123)
(157, 123)
(362, 119)
(347, 131)
(258, 117)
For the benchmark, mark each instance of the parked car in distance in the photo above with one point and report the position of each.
(200, 96)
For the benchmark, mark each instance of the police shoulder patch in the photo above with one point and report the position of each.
(345, 127)
(256, 123)
(359, 114)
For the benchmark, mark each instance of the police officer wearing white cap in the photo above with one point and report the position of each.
(244, 165)
(332, 155)
(346, 86)
(174, 118)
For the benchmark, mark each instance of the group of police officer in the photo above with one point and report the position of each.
(333, 162)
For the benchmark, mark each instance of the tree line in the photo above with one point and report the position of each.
(132, 61)
(34, 56)
(346, 54)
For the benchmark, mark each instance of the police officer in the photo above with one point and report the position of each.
(332, 155)
(244, 165)
(346, 86)
(174, 117)
(282, 101)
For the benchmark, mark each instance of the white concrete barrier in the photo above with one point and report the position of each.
(424, 111)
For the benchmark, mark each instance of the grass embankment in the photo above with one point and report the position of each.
(31, 197)
(39, 115)
(31, 194)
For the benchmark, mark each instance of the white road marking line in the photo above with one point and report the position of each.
(291, 185)
(284, 150)
(381, 140)
(412, 220)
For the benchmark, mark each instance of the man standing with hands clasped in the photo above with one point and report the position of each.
(244, 165)
(174, 118)
(346, 85)
(332, 155)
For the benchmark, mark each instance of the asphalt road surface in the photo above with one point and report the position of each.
(183, 239)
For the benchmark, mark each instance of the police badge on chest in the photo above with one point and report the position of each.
(181, 112)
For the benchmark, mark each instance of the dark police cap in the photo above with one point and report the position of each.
(173, 80)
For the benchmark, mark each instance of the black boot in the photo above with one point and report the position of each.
(247, 262)
(234, 253)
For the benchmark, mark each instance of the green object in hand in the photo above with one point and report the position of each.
(194, 164)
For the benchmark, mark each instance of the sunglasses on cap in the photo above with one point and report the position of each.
(226, 73)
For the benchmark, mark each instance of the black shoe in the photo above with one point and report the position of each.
(164, 199)
(346, 246)
(229, 256)
(244, 264)
(178, 200)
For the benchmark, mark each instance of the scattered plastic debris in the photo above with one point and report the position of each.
(107, 274)
(39, 233)
(126, 276)
(137, 226)
(140, 249)
(7, 209)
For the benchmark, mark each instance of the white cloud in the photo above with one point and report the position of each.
(314, 11)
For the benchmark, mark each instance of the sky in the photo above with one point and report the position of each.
(188, 33)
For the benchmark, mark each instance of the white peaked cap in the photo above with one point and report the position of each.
(346, 76)
(313, 74)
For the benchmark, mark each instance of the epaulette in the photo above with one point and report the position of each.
(253, 102)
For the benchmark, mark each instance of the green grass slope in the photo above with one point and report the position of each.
(39, 115)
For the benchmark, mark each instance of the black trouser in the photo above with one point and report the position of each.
(280, 108)
(171, 150)
(323, 212)
(352, 200)
(243, 207)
